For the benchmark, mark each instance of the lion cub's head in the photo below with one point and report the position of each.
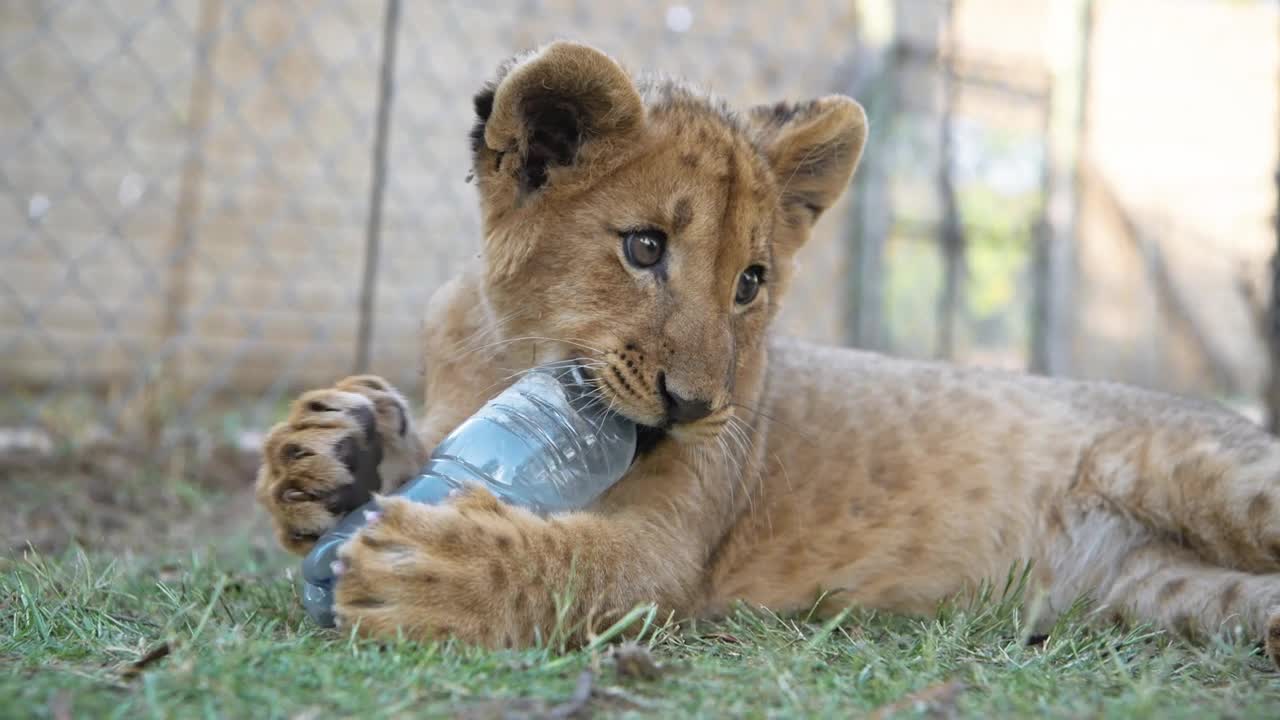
(647, 228)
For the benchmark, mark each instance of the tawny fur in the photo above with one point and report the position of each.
(819, 472)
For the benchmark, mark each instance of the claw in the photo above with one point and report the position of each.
(294, 495)
(337, 567)
(372, 516)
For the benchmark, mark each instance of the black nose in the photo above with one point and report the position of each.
(682, 409)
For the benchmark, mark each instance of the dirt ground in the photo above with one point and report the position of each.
(114, 501)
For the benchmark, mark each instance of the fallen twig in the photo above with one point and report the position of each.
(151, 657)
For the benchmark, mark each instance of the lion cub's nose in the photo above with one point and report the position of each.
(682, 409)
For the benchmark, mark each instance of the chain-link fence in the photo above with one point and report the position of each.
(207, 205)
(210, 204)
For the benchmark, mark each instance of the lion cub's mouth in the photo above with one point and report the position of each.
(626, 392)
(647, 438)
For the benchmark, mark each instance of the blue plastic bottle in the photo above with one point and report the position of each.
(547, 443)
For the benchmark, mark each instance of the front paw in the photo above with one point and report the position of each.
(472, 568)
(337, 447)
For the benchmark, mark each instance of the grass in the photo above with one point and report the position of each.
(73, 628)
(116, 614)
(151, 596)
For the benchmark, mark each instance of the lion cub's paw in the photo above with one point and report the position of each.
(459, 569)
(337, 447)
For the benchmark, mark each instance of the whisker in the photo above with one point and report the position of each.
(534, 338)
(724, 451)
(742, 446)
(565, 365)
(485, 329)
(746, 437)
(759, 464)
(774, 419)
(785, 475)
(597, 398)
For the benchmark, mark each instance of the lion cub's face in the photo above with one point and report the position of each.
(648, 234)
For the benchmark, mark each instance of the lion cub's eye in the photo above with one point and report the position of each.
(644, 248)
(749, 284)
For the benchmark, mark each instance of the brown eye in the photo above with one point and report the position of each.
(644, 248)
(749, 283)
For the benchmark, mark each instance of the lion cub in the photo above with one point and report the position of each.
(649, 231)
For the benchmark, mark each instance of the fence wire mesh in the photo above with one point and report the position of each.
(188, 184)
(209, 205)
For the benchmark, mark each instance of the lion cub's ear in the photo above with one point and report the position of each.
(813, 148)
(551, 109)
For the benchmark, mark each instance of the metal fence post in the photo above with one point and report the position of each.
(378, 182)
(168, 383)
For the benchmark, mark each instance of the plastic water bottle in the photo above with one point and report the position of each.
(547, 443)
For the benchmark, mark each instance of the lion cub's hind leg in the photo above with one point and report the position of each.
(1200, 490)
(1173, 588)
(1205, 479)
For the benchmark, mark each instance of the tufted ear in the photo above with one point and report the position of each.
(813, 148)
(549, 108)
